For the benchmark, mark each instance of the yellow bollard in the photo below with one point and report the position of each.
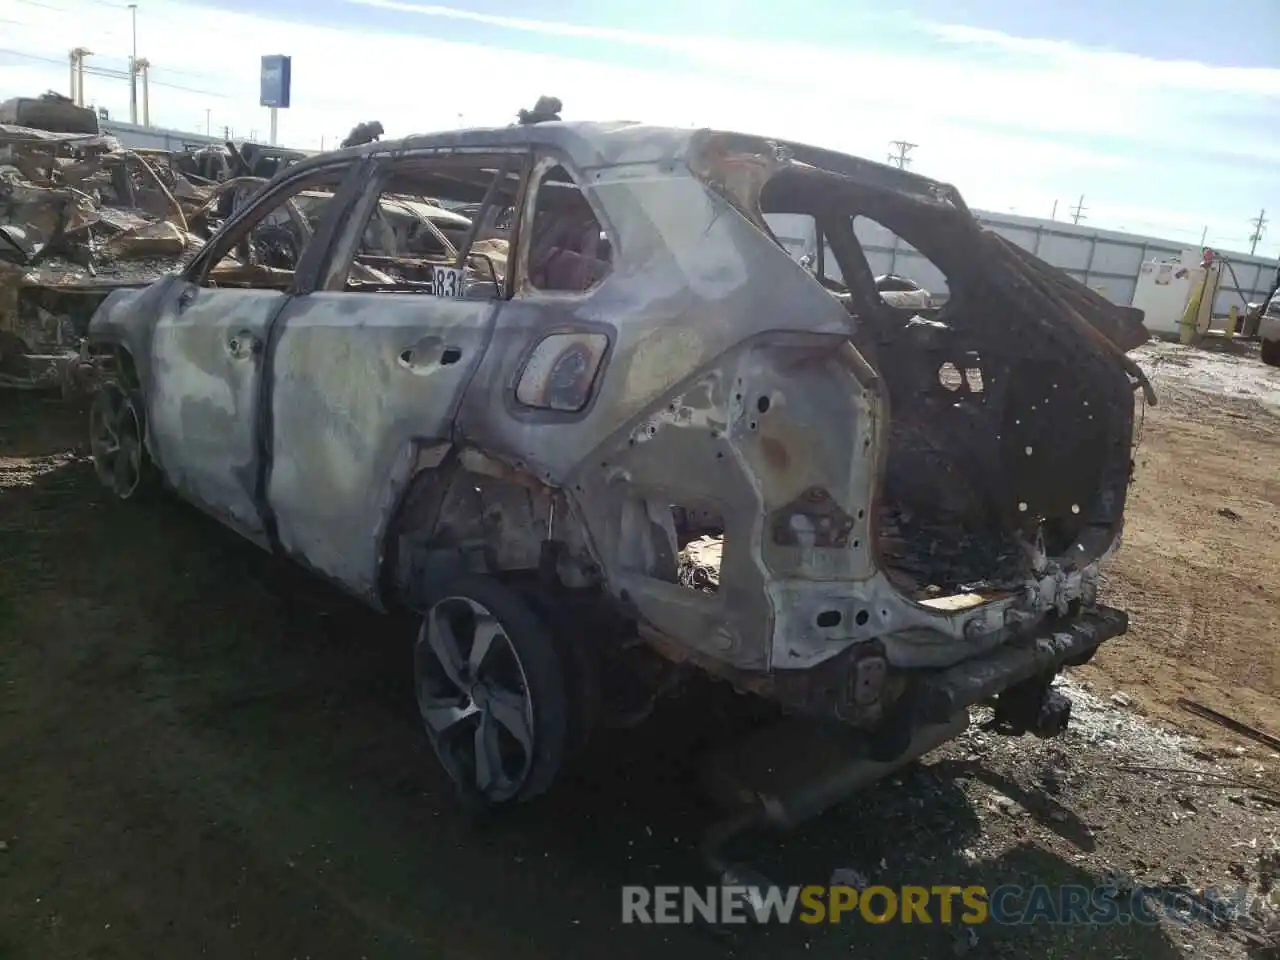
(1231, 321)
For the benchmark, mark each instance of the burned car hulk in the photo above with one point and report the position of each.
(627, 436)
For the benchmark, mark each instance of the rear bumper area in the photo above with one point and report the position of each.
(861, 688)
(1059, 643)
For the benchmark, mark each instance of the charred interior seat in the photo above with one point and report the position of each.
(571, 255)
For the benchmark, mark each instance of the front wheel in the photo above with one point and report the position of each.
(491, 692)
(117, 442)
(1271, 353)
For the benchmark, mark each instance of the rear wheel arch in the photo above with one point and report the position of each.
(116, 362)
(454, 520)
(127, 367)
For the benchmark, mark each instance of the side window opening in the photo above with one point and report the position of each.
(264, 251)
(905, 277)
(437, 227)
(801, 237)
(569, 251)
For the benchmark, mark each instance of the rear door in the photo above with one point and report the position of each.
(209, 348)
(368, 368)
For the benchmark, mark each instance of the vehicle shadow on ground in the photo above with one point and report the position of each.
(208, 751)
(41, 424)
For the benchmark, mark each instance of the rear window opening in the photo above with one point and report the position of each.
(1003, 449)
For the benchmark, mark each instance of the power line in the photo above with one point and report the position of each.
(43, 6)
(1077, 212)
(1259, 228)
(112, 74)
(49, 6)
(900, 159)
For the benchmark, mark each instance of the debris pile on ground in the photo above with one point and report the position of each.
(1109, 725)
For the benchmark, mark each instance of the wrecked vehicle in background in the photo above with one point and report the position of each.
(80, 217)
(50, 112)
(644, 439)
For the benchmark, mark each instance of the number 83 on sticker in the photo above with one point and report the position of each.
(446, 281)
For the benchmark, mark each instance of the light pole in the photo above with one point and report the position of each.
(77, 74)
(133, 66)
(142, 66)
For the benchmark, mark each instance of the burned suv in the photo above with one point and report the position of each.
(609, 431)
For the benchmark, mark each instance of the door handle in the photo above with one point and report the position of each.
(185, 298)
(243, 344)
(428, 353)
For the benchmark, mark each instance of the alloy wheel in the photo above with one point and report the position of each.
(475, 699)
(115, 440)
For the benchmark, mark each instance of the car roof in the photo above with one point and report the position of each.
(595, 144)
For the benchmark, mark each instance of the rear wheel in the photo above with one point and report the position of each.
(1271, 353)
(116, 440)
(491, 692)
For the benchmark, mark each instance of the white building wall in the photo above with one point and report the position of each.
(137, 137)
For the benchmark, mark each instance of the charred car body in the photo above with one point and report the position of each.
(633, 405)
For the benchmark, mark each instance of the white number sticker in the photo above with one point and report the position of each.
(446, 281)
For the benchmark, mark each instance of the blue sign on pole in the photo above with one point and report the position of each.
(276, 80)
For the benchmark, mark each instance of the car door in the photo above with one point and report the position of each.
(366, 378)
(209, 347)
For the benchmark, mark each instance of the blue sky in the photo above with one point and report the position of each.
(1165, 115)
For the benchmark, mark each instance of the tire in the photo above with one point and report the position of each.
(496, 718)
(117, 441)
(1271, 353)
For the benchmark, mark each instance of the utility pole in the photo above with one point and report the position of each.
(206, 121)
(1259, 228)
(1204, 235)
(900, 159)
(133, 66)
(1077, 212)
(1053, 214)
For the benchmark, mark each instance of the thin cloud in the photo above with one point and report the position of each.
(1110, 65)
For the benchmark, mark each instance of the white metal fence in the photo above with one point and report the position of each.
(1105, 260)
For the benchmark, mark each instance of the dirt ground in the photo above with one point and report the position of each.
(1199, 570)
(205, 753)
